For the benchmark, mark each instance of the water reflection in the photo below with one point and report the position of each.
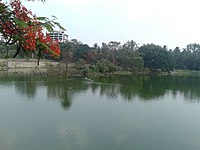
(8, 140)
(152, 87)
(128, 87)
(26, 86)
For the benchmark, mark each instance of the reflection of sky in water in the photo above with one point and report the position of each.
(72, 138)
(7, 139)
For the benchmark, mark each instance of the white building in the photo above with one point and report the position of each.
(59, 35)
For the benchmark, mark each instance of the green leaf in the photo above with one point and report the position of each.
(20, 23)
(48, 48)
(42, 18)
(2, 8)
(58, 24)
(48, 26)
(54, 17)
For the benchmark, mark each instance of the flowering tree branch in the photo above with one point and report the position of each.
(19, 26)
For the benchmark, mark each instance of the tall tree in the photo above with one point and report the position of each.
(155, 57)
(132, 45)
(129, 59)
(67, 52)
(113, 45)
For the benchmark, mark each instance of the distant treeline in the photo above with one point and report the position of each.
(114, 56)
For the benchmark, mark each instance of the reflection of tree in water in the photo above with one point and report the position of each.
(28, 85)
(110, 90)
(153, 87)
(64, 89)
(114, 87)
(128, 87)
(59, 89)
(189, 86)
(25, 85)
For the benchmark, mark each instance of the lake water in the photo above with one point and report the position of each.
(118, 113)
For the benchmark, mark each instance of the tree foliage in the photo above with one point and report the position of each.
(129, 56)
(105, 66)
(155, 57)
(187, 58)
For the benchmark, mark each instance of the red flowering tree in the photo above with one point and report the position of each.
(19, 26)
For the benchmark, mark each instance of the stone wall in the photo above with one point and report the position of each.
(30, 66)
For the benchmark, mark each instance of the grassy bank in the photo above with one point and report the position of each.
(185, 73)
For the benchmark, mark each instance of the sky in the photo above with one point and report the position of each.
(162, 22)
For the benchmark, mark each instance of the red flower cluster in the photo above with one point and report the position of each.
(54, 47)
(30, 39)
(7, 29)
(22, 26)
(20, 11)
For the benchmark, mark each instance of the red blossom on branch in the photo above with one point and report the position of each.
(19, 25)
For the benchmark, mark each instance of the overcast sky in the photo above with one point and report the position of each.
(163, 22)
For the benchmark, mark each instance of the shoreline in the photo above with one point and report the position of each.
(48, 67)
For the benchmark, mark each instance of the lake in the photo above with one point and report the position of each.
(116, 113)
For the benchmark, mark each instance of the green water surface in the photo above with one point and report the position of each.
(116, 113)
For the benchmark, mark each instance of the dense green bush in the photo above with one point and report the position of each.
(105, 66)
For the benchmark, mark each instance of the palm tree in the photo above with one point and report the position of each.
(67, 52)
